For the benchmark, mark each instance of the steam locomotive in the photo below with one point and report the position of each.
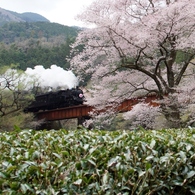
(58, 99)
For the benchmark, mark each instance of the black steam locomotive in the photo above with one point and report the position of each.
(59, 99)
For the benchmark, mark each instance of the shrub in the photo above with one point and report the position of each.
(97, 162)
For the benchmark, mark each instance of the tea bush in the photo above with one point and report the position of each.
(97, 162)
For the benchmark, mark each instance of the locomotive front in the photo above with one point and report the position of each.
(78, 96)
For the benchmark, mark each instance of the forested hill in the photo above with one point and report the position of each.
(10, 16)
(15, 32)
(35, 43)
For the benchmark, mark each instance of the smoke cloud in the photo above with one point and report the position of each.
(54, 77)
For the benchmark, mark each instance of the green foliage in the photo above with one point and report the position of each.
(15, 120)
(15, 95)
(38, 43)
(35, 54)
(182, 56)
(97, 162)
(15, 32)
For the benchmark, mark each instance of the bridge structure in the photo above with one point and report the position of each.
(83, 111)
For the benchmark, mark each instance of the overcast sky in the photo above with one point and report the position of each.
(60, 11)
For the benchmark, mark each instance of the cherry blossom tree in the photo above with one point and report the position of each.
(137, 48)
(143, 115)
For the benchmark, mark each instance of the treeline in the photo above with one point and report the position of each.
(40, 43)
(17, 32)
(35, 54)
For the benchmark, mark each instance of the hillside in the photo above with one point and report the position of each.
(16, 27)
(10, 16)
(29, 39)
(13, 32)
(38, 43)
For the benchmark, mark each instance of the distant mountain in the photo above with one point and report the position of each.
(32, 17)
(10, 16)
(29, 39)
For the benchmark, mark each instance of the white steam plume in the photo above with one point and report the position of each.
(54, 77)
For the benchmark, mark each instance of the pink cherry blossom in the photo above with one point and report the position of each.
(136, 48)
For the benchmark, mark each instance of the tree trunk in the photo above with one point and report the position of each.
(171, 111)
